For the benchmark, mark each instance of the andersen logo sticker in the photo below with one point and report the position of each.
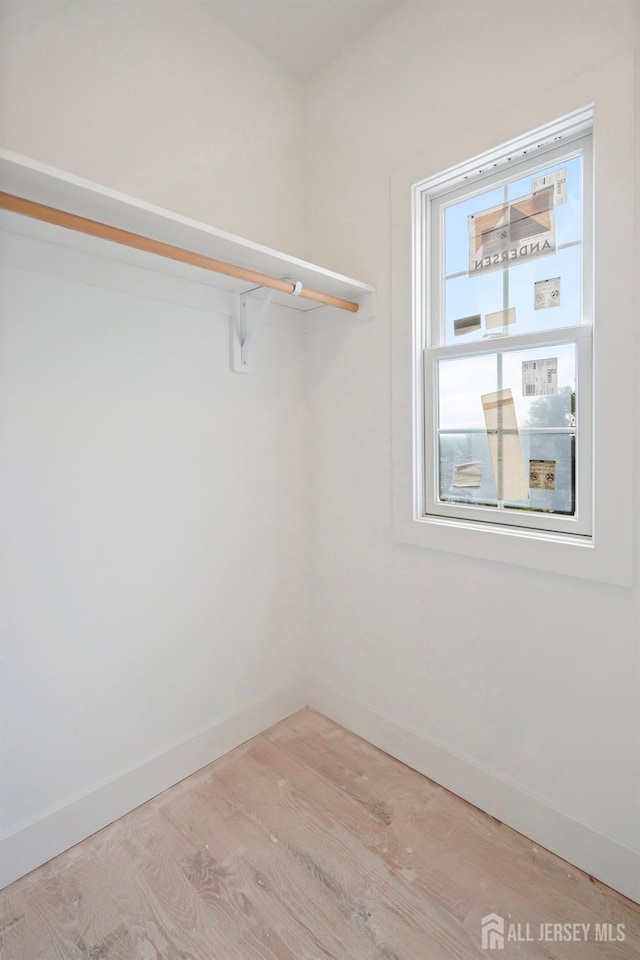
(502, 236)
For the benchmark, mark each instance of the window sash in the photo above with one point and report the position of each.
(579, 525)
(433, 204)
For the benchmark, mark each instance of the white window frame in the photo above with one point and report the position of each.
(537, 151)
(607, 554)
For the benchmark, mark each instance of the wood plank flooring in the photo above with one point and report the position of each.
(306, 843)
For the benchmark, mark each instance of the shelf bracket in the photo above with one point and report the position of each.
(246, 326)
(249, 326)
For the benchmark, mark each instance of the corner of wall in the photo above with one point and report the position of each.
(40, 841)
(597, 855)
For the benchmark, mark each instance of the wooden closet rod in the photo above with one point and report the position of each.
(94, 228)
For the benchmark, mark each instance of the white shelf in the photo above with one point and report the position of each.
(34, 181)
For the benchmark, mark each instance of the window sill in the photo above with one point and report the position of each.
(575, 556)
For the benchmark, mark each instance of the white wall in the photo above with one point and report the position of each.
(445, 647)
(157, 99)
(153, 522)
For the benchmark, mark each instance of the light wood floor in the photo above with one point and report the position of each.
(306, 843)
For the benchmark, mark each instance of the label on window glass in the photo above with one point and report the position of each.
(466, 325)
(542, 474)
(546, 293)
(503, 436)
(501, 318)
(467, 474)
(540, 378)
(501, 237)
(558, 181)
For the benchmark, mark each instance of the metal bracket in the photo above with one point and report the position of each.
(244, 327)
(248, 327)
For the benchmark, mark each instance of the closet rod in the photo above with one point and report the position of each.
(94, 228)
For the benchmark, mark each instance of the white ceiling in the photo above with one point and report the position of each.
(301, 35)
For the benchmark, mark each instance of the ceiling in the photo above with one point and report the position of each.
(301, 35)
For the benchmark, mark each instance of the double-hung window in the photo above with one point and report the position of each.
(503, 289)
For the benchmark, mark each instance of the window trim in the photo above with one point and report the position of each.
(607, 555)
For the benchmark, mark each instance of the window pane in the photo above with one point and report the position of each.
(565, 310)
(456, 228)
(461, 383)
(467, 297)
(549, 459)
(474, 483)
(537, 409)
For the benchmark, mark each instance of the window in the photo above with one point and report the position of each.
(455, 488)
(503, 273)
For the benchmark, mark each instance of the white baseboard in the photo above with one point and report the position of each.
(609, 861)
(39, 842)
(598, 855)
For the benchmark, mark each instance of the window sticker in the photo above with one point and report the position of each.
(467, 474)
(546, 293)
(467, 325)
(540, 377)
(542, 474)
(558, 181)
(504, 446)
(511, 233)
(501, 318)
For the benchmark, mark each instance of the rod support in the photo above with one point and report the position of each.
(248, 327)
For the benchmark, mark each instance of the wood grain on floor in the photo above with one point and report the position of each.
(307, 843)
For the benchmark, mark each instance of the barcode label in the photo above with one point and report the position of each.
(540, 377)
